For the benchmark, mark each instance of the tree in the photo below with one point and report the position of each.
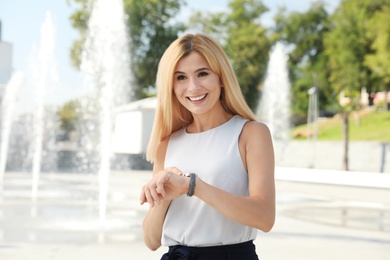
(304, 33)
(347, 45)
(379, 61)
(248, 46)
(69, 118)
(151, 29)
(243, 38)
(79, 21)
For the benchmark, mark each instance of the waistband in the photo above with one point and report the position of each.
(189, 252)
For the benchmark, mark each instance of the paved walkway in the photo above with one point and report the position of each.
(314, 221)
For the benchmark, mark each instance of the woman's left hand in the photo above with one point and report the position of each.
(167, 184)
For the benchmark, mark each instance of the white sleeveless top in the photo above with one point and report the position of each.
(215, 157)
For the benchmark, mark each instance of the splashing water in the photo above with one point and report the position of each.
(106, 66)
(7, 116)
(46, 72)
(274, 108)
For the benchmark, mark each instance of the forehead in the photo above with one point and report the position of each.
(191, 62)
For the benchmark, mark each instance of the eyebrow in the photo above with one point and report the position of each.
(200, 69)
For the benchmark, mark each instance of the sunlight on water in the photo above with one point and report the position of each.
(106, 65)
(274, 107)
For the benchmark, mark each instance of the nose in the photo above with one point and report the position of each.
(193, 85)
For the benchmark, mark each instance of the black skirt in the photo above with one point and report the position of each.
(246, 250)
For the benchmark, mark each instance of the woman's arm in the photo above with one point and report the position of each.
(257, 209)
(166, 184)
(154, 220)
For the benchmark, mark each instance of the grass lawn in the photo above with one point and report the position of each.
(363, 126)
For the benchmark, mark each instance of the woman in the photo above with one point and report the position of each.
(213, 176)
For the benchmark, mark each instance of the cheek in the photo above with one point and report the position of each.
(215, 86)
(179, 98)
(177, 91)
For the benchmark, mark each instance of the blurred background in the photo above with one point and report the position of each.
(77, 90)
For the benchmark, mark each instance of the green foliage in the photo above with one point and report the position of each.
(363, 126)
(346, 50)
(343, 48)
(79, 21)
(244, 40)
(248, 46)
(151, 30)
(379, 32)
(304, 33)
(348, 44)
(68, 115)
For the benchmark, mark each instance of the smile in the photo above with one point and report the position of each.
(198, 98)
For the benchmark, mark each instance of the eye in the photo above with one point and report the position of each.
(202, 74)
(180, 77)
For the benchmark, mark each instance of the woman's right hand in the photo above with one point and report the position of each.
(167, 184)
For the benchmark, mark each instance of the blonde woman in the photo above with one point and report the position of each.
(213, 176)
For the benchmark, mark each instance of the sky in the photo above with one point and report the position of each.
(22, 20)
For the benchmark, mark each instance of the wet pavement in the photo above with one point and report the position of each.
(314, 221)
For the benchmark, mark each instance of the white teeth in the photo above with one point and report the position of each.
(197, 98)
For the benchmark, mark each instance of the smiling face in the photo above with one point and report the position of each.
(197, 87)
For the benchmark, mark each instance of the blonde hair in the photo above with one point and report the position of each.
(170, 114)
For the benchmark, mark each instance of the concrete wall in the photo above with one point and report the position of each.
(363, 156)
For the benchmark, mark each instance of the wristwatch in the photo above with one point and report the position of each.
(191, 190)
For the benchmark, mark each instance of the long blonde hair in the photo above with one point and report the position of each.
(170, 114)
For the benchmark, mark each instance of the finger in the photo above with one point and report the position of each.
(160, 189)
(174, 170)
(149, 197)
(154, 195)
(142, 198)
(163, 178)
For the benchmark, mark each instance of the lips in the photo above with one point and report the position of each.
(197, 98)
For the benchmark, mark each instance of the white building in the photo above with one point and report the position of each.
(5, 63)
(133, 125)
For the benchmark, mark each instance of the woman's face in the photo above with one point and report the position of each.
(196, 87)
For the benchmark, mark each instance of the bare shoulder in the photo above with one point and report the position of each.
(256, 138)
(255, 129)
(258, 152)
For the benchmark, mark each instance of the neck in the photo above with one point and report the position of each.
(203, 123)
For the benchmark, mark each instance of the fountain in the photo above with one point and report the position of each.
(106, 65)
(44, 77)
(25, 135)
(274, 107)
(7, 110)
(72, 196)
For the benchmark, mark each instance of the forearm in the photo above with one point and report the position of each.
(253, 211)
(153, 224)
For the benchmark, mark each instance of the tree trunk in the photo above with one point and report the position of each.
(385, 103)
(345, 119)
